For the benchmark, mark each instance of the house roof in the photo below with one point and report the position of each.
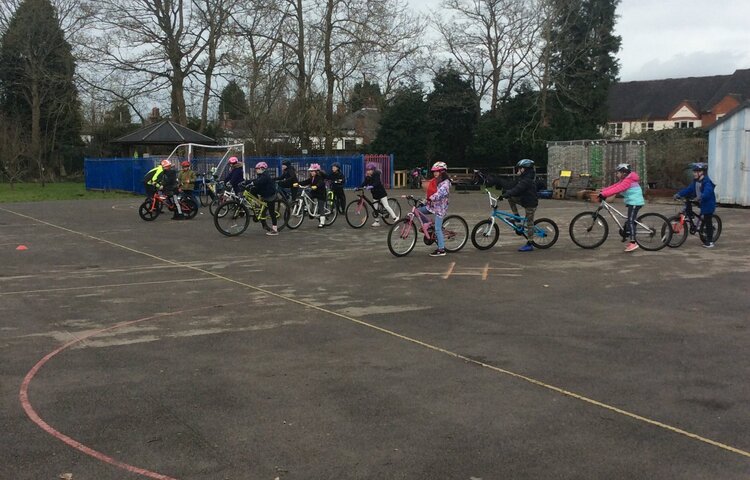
(656, 99)
(165, 132)
(729, 114)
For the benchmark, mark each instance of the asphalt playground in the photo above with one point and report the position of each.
(165, 350)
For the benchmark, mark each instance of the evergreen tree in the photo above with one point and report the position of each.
(403, 128)
(582, 65)
(452, 114)
(364, 94)
(233, 102)
(36, 83)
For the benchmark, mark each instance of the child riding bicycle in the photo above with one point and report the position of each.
(524, 192)
(317, 191)
(702, 189)
(373, 181)
(628, 183)
(264, 187)
(438, 192)
(337, 185)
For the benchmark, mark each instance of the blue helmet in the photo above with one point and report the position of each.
(525, 163)
(699, 167)
(336, 164)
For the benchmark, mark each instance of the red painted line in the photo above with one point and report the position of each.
(24, 397)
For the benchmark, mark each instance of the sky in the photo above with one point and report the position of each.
(674, 38)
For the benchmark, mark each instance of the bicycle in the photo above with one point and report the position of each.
(233, 216)
(590, 229)
(402, 237)
(152, 206)
(305, 205)
(486, 233)
(689, 221)
(357, 210)
(207, 188)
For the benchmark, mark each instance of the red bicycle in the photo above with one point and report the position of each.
(152, 206)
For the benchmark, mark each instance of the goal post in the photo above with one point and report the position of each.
(206, 158)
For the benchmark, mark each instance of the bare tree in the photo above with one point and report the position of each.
(13, 150)
(493, 41)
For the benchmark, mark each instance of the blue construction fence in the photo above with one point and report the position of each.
(126, 174)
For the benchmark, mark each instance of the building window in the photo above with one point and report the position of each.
(683, 124)
(647, 126)
(616, 129)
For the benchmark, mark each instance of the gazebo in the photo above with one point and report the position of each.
(160, 139)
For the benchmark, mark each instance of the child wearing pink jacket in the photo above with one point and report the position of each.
(631, 189)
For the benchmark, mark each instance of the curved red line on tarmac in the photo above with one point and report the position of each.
(23, 395)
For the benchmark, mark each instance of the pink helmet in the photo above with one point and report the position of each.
(263, 165)
(233, 160)
(439, 166)
(314, 167)
(166, 163)
(371, 166)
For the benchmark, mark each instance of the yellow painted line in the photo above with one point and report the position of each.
(447, 274)
(415, 341)
(486, 271)
(112, 285)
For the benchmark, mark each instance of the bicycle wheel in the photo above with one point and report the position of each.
(232, 218)
(716, 221)
(282, 213)
(296, 214)
(356, 214)
(146, 213)
(679, 232)
(331, 212)
(485, 235)
(545, 233)
(455, 233)
(652, 231)
(402, 237)
(203, 195)
(588, 230)
(395, 206)
(189, 207)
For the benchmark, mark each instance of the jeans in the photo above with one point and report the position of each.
(630, 225)
(708, 221)
(514, 201)
(438, 227)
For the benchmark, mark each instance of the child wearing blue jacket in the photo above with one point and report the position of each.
(702, 189)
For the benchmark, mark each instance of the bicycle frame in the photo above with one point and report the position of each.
(509, 218)
(363, 199)
(415, 215)
(603, 205)
(309, 206)
(687, 215)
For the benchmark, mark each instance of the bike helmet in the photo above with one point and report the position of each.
(699, 167)
(262, 165)
(439, 167)
(623, 167)
(185, 163)
(371, 166)
(286, 163)
(314, 167)
(233, 161)
(166, 163)
(525, 163)
(337, 165)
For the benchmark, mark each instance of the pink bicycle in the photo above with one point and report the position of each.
(402, 236)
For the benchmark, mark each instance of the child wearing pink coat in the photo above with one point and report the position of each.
(631, 189)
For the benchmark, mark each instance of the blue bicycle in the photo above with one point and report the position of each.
(486, 233)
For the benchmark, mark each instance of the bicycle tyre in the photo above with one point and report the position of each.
(192, 208)
(282, 213)
(232, 218)
(203, 195)
(483, 237)
(588, 230)
(679, 231)
(356, 217)
(658, 234)
(402, 237)
(717, 229)
(296, 214)
(455, 233)
(395, 206)
(146, 213)
(333, 214)
(546, 229)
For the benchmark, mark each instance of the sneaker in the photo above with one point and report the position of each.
(526, 248)
(376, 223)
(438, 253)
(708, 245)
(321, 225)
(178, 217)
(631, 246)
(272, 232)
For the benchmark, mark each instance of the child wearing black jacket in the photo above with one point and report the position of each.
(264, 187)
(337, 185)
(317, 191)
(372, 180)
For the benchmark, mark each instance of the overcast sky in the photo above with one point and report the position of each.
(675, 38)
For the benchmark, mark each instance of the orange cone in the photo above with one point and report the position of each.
(22, 247)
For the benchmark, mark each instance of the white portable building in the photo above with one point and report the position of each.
(729, 156)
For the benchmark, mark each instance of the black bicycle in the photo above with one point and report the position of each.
(357, 211)
(689, 221)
